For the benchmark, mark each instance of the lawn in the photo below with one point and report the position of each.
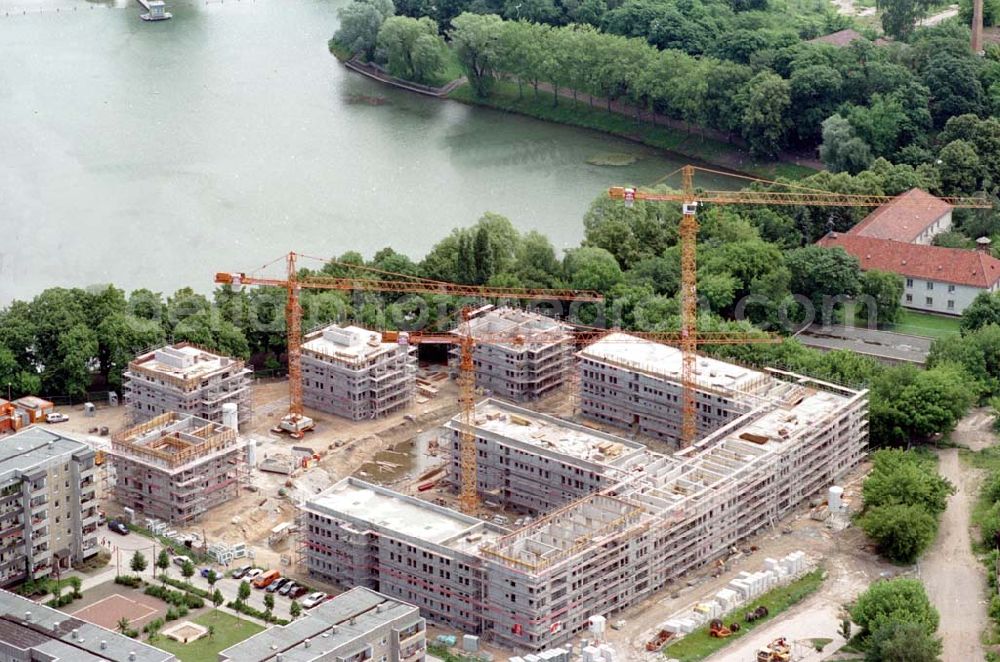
(581, 113)
(925, 324)
(700, 644)
(228, 631)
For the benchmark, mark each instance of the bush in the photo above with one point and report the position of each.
(903, 642)
(899, 600)
(132, 581)
(193, 601)
(190, 588)
(172, 614)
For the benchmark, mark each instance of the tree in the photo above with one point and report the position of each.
(954, 86)
(484, 258)
(211, 578)
(842, 150)
(163, 563)
(359, 25)
(123, 625)
(295, 609)
(902, 641)
(268, 606)
(211, 632)
(984, 309)
(187, 570)
(904, 478)
(909, 404)
(826, 275)
(960, 168)
(243, 593)
(815, 94)
(153, 628)
(883, 291)
(902, 532)
(765, 115)
(414, 48)
(900, 600)
(899, 16)
(138, 563)
(591, 268)
(217, 598)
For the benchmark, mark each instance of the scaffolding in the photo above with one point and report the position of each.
(175, 467)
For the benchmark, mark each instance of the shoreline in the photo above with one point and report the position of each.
(578, 113)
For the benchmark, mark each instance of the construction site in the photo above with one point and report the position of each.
(351, 372)
(186, 379)
(535, 361)
(177, 467)
(615, 520)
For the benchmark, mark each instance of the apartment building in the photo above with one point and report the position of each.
(354, 626)
(177, 467)
(48, 508)
(186, 379)
(636, 386)
(534, 463)
(649, 517)
(30, 632)
(518, 355)
(348, 371)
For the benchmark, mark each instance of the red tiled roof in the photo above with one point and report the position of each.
(839, 38)
(903, 219)
(948, 265)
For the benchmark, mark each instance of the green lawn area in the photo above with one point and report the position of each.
(581, 113)
(700, 644)
(925, 324)
(228, 631)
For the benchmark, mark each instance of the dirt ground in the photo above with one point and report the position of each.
(955, 580)
(106, 604)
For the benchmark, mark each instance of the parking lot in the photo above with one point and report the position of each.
(123, 547)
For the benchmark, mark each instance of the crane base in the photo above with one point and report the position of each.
(295, 425)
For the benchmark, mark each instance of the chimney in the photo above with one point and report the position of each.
(27, 616)
(983, 244)
(104, 644)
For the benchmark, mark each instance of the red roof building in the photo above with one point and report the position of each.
(941, 280)
(914, 217)
(843, 38)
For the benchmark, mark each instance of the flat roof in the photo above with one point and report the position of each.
(665, 361)
(185, 361)
(495, 326)
(549, 433)
(64, 637)
(873, 342)
(349, 343)
(30, 448)
(328, 627)
(403, 514)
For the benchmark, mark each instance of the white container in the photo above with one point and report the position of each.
(834, 498)
(596, 624)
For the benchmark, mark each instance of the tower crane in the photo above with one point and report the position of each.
(690, 199)
(297, 423)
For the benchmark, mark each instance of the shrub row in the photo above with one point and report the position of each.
(176, 598)
(185, 586)
(132, 581)
(244, 608)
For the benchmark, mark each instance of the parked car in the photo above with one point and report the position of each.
(253, 573)
(314, 599)
(56, 418)
(179, 561)
(239, 573)
(297, 592)
(277, 584)
(118, 527)
(287, 588)
(205, 572)
(265, 580)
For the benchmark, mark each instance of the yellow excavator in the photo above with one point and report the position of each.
(778, 650)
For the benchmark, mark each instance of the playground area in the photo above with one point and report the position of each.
(107, 611)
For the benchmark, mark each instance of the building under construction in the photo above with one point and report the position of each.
(186, 379)
(176, 467)
(628, 521)
(350, 372)
(518, 355)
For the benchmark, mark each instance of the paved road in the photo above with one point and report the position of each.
(955, 580)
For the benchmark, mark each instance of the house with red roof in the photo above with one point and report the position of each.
(937, 279)
(842, 38)
(897, 238)
(914, 217)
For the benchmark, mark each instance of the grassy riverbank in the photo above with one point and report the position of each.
(581, 113)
